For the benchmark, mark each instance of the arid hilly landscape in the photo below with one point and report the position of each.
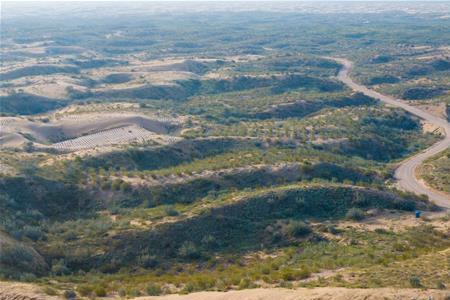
(239, 150)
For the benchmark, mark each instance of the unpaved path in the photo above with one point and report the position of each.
(310, 294)
(406, 172)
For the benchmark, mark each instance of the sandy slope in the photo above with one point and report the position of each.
(406, 172)
(23, 291)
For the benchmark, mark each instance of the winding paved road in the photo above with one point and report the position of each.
(406, 172)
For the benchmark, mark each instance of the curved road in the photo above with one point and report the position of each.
(405, 173)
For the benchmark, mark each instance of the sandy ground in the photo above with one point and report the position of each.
(310, 294)
(435, 109)
(23, 291)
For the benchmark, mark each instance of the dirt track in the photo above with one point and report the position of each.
(406, 172)
(310, 294)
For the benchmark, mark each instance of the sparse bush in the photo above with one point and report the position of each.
(355, 214)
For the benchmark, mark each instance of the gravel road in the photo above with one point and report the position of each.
(406, 172)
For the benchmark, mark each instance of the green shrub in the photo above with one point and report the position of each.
(153, 289)
(59, 267)
(303, 274)
(134, 293)
(265, 270)
(69, 294)
(188, 288)
(355, 214)
(148, 261)
(287, 274)
(286, 284)
(117, 184)
(415, 282)
(50, 291)
(209, 241)
(122, 292)
(33, 232)
(441, 286)
(125, 186)
(106, 185)
(298, 229)
(169, 210)
(27, 277)
(85, 290)
(189, 250)
(333, 229)
(244, 283)
(100, 291)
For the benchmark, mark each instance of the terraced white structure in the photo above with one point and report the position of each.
(116, 136)
(87, 130)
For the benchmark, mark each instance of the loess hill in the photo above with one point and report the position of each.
(160, 156)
